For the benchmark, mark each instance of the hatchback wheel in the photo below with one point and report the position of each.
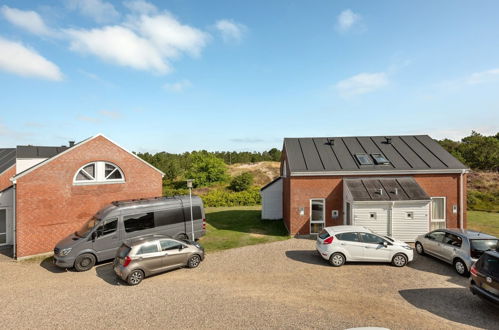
(419, 248)
(135, 277)
(194, 261)
(84, 262)
(337, 259)
(182, 236)
(460, 267)
(399, 260)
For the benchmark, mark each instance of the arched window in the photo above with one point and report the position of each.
(99, 172)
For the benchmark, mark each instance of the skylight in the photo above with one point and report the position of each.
(379, 159)
(363, 159)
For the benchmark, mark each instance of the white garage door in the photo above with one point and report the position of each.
(372, 216)
(410, 219)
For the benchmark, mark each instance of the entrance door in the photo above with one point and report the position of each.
(3, 226)
(317, 215)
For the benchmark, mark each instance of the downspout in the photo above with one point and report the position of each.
(461, 200)
(14, 241)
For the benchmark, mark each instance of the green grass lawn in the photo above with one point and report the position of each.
(230, 227)
(486, 222)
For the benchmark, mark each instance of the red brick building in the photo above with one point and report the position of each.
(47, 193)
(400, 185)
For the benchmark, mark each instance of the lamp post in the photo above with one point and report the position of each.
(189, 185)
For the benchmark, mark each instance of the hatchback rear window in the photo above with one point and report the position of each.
(123, 251)
(479, 246)
(324, 234)
(489, 265)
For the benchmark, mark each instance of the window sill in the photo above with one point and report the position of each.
(91, 183)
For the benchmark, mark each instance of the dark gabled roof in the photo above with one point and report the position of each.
(338, 154)
(7, 158)
(385, 189)
(270, 183)
(38, 151)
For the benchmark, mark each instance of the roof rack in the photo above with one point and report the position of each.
(130, 201)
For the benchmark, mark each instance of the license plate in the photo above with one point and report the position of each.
(487, 287)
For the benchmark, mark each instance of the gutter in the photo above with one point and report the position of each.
(383, 172)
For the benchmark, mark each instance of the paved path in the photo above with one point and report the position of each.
(276, 285)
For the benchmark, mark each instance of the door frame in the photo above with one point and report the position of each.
(323, 214)
(8, 226)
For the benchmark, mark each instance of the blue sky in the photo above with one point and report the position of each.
(242, 75)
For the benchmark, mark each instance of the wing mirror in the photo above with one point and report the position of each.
(94, 236)
(385, 244)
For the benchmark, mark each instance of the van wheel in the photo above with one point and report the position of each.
(399, 260)
(182, 236)
(135, 277)
(194, 261)
(84, 262)
(460, 267)
(337, 259)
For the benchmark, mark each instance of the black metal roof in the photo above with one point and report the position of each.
(385, 189)
(38, 151)
(336, 154)
(7, 158)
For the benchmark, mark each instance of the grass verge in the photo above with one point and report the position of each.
(486, 222)
(231, 227)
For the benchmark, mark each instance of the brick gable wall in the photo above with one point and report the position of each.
(5, 178)
(49, 206)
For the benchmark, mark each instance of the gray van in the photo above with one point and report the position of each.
(100, 238)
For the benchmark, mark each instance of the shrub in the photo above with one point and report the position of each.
(241, 182)
(483, 201)
(219, 197)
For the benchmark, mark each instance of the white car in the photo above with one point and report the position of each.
(339, 244)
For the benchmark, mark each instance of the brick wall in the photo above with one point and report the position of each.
(49, 206)
(297, 192)
(5, 178)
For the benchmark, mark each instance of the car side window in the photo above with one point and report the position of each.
(371, 238)
(108, 227)
(167, 245)
(453, 240)
(436, 236)
(148, 248)
(350, 237)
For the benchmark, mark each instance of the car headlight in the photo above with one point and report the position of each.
(407, 247)
(64, 252)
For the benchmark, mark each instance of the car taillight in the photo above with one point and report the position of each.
(328, 240)
(473, 270)
(204, 223)
(127, 261)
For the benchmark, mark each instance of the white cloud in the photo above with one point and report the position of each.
(141, 7)
(347, 19)
(111, 114)
(483, 77)
(362, 83)
(117, 44)
(100, 11)
(18, 59)
(457, 134)
(27, 20)
(178, 87)
(88, 119)
(230, 30)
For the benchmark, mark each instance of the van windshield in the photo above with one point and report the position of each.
(87, 227)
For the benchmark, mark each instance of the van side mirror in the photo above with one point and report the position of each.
(94, 236)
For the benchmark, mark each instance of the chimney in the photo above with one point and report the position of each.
(396, 191)
(388, 140)
(380, 191)
(71, 144)
(330, 141)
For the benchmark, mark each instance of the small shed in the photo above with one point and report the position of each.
(272, 200)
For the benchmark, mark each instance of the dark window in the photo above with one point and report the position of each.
(168, 217)
(196, 213)
(123, 251)
(148, 248)
(86, 173)
(478, 246)
(351, 237)
(453, 240)
(107, 228)
(363, 159)
(169, 245)
(489, 265)
(380, 159)
(112, 172)
(371, 238)
(324, 234)
(139, 222)
(436, 236)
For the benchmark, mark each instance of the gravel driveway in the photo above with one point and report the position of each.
(276, 285)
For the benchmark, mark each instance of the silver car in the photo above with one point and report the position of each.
(155, 254)
(458, 247)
